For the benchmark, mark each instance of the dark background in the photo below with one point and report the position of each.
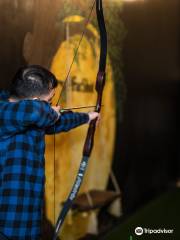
(147, 163)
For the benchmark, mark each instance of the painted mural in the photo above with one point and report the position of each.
(47, 32)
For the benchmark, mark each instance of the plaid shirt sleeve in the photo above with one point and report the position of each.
(68, 121)
(16, 117)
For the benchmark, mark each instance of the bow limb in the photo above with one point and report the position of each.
(88, 145)
(100, 80)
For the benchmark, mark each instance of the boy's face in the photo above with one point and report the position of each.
(48, 97)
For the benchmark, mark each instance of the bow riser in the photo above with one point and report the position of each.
(100, 82)
(89, 142)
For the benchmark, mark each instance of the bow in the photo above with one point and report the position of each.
(89, 141)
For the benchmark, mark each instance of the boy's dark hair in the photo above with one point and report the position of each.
(32, 81)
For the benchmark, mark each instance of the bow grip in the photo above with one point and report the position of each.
(89, 142)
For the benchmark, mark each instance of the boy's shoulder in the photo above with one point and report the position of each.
(4, 95)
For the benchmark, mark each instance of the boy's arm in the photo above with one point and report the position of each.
(19, 116)
(68, 121)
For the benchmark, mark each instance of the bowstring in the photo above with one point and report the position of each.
(76, 51)
(64, 84)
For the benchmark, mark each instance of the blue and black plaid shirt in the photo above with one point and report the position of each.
(23, 126)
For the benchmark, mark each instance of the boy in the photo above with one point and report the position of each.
(26, 115)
